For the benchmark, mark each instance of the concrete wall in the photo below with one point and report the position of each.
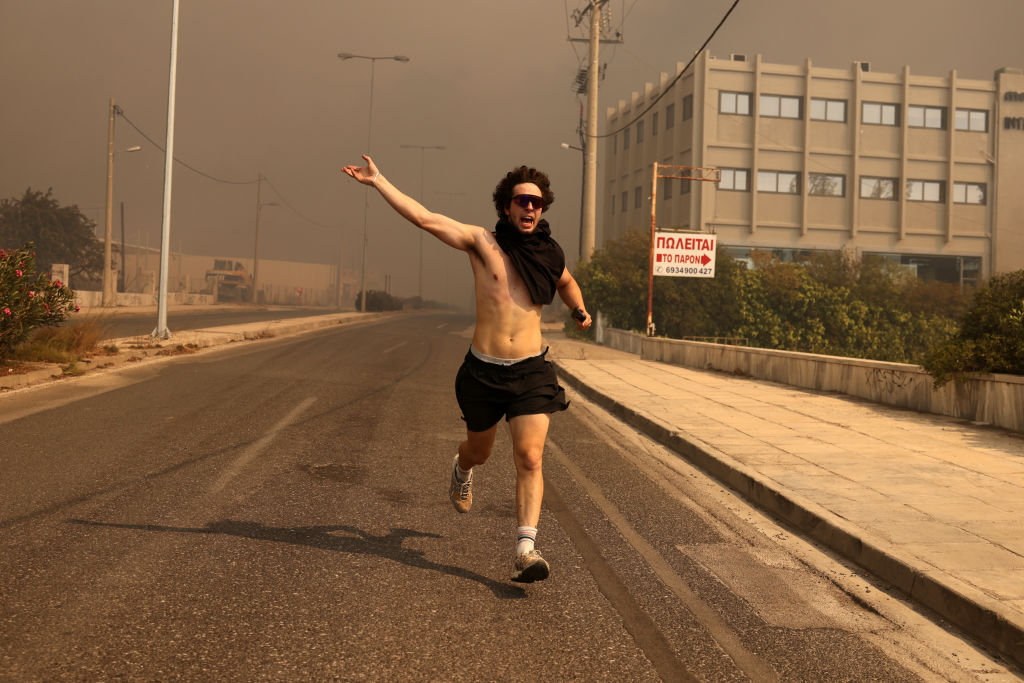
(991, 399)
(87, 299)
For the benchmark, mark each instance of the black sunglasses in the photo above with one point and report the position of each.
(524, 201)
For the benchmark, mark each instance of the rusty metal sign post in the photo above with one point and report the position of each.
(713, 175)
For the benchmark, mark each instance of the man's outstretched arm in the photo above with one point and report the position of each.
(570, 293)
(449, 231)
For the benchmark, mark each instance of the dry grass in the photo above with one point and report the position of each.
(64, 344)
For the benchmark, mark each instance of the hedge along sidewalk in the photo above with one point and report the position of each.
(146, 348)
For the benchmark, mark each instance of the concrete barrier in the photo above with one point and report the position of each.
(993, 399)
(91, 299)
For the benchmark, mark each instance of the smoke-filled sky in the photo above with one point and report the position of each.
(260, 90)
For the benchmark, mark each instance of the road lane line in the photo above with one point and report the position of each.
(396, 346)
(723, 634)
(256, 447)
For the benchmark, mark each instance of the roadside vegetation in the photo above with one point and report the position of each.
(830, 304)
(29, 301)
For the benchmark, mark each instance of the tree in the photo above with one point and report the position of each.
(61, 234)
(991, 337)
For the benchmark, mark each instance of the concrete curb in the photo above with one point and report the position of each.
(968, 608)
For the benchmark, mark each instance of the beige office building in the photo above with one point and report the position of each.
(926, 170)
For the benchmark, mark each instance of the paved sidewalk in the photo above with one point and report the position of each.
(931, 504)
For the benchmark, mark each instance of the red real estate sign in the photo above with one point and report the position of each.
(679, 254)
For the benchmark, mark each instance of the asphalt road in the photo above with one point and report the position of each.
(279, 511)
(179, 319)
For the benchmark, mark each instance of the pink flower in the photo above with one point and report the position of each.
(57, 282)
(77, 308)
(7, 311)
(17, 273)
(31, 294)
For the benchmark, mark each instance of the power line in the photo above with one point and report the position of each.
(297, 212)
(120, 112)
(676, 79)
(284, 199)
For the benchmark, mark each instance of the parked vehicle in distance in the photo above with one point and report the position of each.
(229, 281)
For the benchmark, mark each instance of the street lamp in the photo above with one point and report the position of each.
(344, 56)
(422, 149)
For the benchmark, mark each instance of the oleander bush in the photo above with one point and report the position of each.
(28, 300)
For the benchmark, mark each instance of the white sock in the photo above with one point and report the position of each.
(527, 536)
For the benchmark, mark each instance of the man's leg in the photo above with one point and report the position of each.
(473, 451)
(476, 448)
(528, 435)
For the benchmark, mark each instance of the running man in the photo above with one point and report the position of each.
(517, 269)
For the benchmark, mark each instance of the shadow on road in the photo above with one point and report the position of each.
(360, 542)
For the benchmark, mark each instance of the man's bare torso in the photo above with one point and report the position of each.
(507, 320)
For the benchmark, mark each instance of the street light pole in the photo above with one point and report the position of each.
(422, 149)
(161, 331)
(343, 56)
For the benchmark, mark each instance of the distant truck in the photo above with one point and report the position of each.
(229, 280)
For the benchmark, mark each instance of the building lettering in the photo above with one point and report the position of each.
(1013, 97)
(1013, 123)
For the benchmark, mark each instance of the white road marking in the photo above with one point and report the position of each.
(259, 446)
(396, 346)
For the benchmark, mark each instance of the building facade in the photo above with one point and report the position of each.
(926, 171)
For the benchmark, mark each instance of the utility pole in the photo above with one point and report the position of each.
(589, 210)
(108, 298)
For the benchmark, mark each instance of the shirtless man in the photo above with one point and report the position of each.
(516, 270)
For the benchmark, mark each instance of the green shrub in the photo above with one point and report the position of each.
(991, 337)
(28, 300)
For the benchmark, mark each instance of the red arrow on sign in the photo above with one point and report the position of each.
(704, 260)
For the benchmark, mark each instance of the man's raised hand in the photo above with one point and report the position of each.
(364, 174)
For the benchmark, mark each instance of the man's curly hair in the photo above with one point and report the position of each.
(503, 192)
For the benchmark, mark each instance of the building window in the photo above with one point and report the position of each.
(688, 106)
(968, 193)
(639, 131)
(728, 103)
(878, 188)
(654, 123)
(625, 138)
(636, 197)
(613, 204)
(925, 191)
(670, 116)
(926, 117)
(828, 110)
(684, 186)
(666, 188)
(880, 113)
(780, 106)
(972, 119)
(783, 182)
(625, 200)
(734, 179)
(615, 144)
(826, 185)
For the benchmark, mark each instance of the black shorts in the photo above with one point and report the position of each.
(486, 391)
